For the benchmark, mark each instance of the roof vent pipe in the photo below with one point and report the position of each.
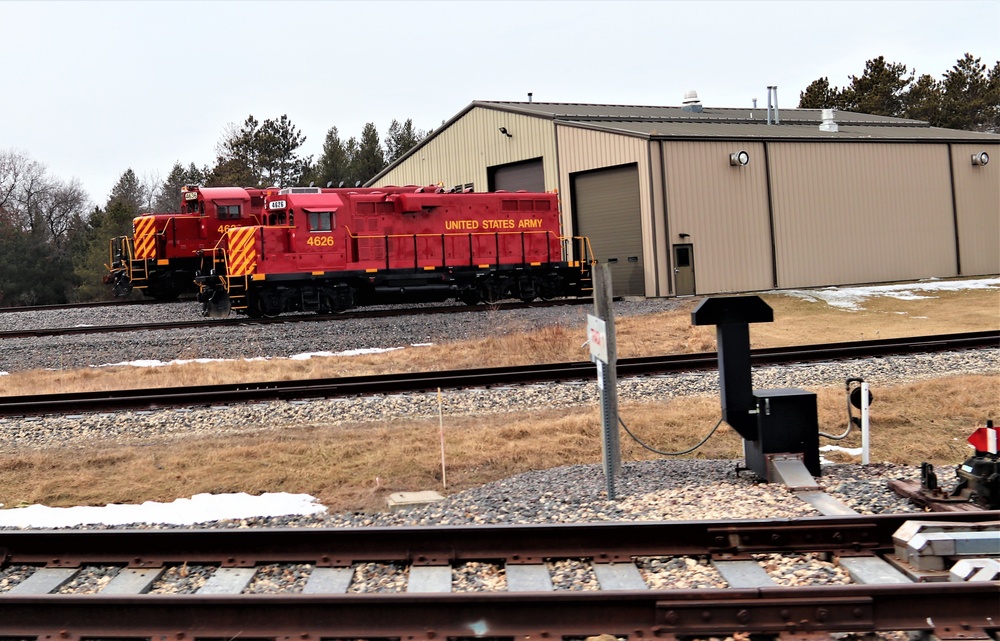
(829, 123)
(529, 96)
(772, 91)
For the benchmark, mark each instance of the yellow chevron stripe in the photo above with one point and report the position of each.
(144, 232)
(242, 254)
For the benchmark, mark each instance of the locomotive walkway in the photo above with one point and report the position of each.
(429, 608)
(118, 400)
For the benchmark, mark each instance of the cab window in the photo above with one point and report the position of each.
(321, 221)
(228, 212)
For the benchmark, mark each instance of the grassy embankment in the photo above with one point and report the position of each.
(354, 466)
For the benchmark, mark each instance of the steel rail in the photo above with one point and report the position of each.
(949, 610)
(101, 303)
(440, 545)
(136, 399)
(292, 318)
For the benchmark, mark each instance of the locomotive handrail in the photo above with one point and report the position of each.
(172, 221)
(584, 249)
(351, 235)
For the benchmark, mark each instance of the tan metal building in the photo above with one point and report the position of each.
(697, 200)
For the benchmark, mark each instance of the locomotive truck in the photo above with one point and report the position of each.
(328, 250)
(161, 256)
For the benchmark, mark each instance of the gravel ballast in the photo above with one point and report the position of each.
(649, 490)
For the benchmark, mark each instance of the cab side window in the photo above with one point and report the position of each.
(228, 212)
(322, 221)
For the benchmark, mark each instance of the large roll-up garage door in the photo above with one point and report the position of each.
(606, 209)
(527, 175)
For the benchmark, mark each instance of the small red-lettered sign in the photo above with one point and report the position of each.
(597, 335)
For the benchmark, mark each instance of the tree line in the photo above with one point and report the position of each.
(966, 97)
(54, 239)
(54, 242)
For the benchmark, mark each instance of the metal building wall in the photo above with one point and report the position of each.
(461, 153)
(583, 149)
(850, 213)
(977, 208)
(723, 210)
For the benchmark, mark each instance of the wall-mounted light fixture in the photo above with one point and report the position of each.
(981, 158)
(683, 235)
(739, 158)
(504, 131)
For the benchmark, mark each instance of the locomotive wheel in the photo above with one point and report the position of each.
(547, 288)
(469, 296)
(338, 301)
(344, 300)
(527, 289)
(490, 291)
(265, 306)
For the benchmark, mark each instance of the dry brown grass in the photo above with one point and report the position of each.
(796, 322)
(355, 467)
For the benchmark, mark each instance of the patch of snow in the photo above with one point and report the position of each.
(853, 451)
(294, 357)
(199, 508)
(350, 352)
(850, 298)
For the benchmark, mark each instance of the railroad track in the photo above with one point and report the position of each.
(94, 304)
(290, 318)
(425, 605)
(137, 399)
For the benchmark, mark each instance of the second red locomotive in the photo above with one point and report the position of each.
(328, 250)
(161, 256)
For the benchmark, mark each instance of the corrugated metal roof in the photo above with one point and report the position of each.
(763, 131)
(635, 113)
(673, 123)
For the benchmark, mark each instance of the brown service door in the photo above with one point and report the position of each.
(684, 270)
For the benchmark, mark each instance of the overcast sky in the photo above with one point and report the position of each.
(91, 89)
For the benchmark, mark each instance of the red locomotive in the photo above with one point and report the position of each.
(162, 255)
(327, 250)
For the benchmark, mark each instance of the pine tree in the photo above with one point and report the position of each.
(369, 159)
(400, 139)
(819, 95)
(277, 143)
(168, 195)
(879, 91)
(968, 100)
(334, 165)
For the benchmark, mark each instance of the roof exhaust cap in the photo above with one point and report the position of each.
(829, 123)
(691, 102)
